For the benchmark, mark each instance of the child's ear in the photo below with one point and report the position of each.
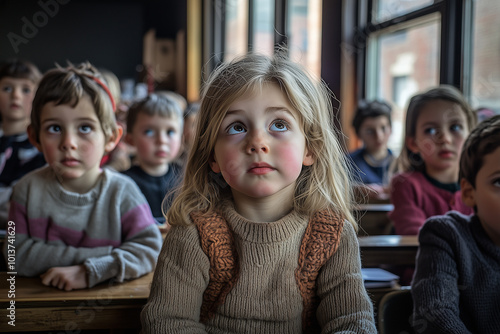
(113, 139)
(411, 143)
(468, 193)
(214, 165)
(32, 138)
(308, 158)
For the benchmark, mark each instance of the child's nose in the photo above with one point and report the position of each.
(68, 141)
(257, 143)
(17, 93)
(162, 138)
(444, 136)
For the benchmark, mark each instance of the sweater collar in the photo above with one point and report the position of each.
(268, 232)
(73, 198)
(451, 187)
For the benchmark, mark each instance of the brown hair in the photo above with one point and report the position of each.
(67, 86)
(483, 140)
(20, 69)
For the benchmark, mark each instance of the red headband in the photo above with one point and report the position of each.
(106, 89)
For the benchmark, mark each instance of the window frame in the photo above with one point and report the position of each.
(451, 39)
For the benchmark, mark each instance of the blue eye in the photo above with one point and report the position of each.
(149, 133)
(496, 182)
(85, 129)
(431, 131)
(235, 128)
(26, 90)
(456, 127)
(7, 89)
(279, 125)
(54, 129)
(171, 132)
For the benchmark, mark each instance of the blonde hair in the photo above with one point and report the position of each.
(69, 85)
(409, 161)
(326, 184)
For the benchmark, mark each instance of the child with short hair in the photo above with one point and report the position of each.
(455, 287)
(437, 124)
(262, 237)
(154, 128)
(78, 225)
(18, 83)
(372, 123)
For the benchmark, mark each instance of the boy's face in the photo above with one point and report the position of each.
(157, 140)
(73, 143)
(16, 96)
(375, 132)
(486, 196)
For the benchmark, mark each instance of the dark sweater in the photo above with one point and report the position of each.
(456, 287)
(155, 188)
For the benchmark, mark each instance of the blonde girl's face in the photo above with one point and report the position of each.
(441, 131)
(260, 147)
(73, 143)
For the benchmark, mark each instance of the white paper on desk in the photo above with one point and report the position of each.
(378, 278)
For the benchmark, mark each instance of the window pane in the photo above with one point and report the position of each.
(486, 55)
(263, 25)
(402, 63)
(388, 9)
(304, 33)
(236, 28)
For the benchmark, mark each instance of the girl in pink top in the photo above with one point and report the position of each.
(437, 124)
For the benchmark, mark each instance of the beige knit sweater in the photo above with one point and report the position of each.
(266, 297)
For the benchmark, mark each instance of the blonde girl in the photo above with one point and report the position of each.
(437, 124)
(262, 238)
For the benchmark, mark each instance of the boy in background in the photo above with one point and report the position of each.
(154, 128)
(76, 224)
(18, 84)
(455, 287)
(373, 126)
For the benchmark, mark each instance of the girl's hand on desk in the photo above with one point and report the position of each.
(66, 278)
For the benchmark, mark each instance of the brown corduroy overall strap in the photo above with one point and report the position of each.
(217, 241)
(320, 241)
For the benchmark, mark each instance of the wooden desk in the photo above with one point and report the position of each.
(373, 219)
(388, 249)
(42, 308)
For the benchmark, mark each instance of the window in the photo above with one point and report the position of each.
(402, 61)
(236, 16)
(239, 26)
(485, 64)
(304, 33)
(388, 9)
(263, 26)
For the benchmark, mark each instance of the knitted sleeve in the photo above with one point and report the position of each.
(407, 216)
(345, 306)
(34, 256)
(140, 245)
(435, 291)
(180, 279)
